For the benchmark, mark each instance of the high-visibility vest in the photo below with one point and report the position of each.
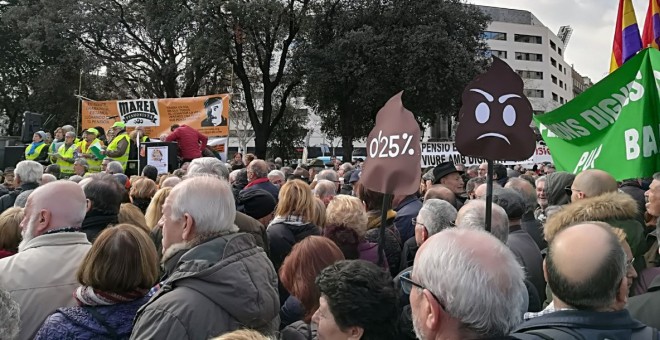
(37, 151)
(65, 167)
(123, 159)
(94, 164)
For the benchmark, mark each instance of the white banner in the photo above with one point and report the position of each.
(158, 157)
(436, 153)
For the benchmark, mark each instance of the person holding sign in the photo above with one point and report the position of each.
(91, 148)
(119, 147)
(67, 154)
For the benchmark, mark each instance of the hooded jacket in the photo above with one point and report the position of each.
(392, 241)
(219, 284)
(617, 209)
(554, 187)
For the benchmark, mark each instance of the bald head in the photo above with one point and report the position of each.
(585, 266)
(441, 192)
(258, 169)
(592, 183)
(66, 211)
(526, 190)
(481, 191)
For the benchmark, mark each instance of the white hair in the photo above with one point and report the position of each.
(437, 215)
(457, 266)
(539, 180)
(347, 167)
(115, 167)
(330, 175)
(474, 217)
(47, 178)
(233, 175)
(29, 171)
(10, 316)
(275, 174)
(208, 200)
(70, 134)
(208, 166)
(75, 178)
(325, 188)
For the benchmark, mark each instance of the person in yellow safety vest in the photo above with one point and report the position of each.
(37, 150)
(119, 147)
(69, 128)
(87, 147)
(67, 154)
(55, 145)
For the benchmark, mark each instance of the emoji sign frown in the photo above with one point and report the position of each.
(495, 116)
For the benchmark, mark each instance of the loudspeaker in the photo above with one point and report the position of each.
(13, 155)
(31, 124)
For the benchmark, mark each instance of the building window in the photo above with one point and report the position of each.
(529, 56)
(526, 74)
(559, 51)
(553, 62)
(555, 97)
(554, 79)
(561, 84)
(560, 68)
(533, 93)
(488, 35)
(499, 54)
(530, 39)
(561, 100)
(553, 46)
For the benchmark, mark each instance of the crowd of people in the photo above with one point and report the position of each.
(259, 249)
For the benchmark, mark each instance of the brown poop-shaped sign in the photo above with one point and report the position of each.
(495, 116)
(393, 151)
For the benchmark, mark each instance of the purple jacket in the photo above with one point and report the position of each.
(369, 252)
(78, 323)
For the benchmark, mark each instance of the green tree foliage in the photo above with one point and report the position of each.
(289, 134)
(362, 52)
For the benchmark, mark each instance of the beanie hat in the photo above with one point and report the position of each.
(256, 203)
(41, 134)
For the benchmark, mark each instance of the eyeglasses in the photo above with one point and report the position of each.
(629, 264)
(407, 283)
(415, 223)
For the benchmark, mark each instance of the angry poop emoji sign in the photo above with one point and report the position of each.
(495, 116)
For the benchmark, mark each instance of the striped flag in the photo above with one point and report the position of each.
(651, 34)
(627, 41)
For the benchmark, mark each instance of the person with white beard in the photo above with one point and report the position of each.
(450, 302)
(42, 276)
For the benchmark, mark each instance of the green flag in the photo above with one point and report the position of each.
(613, 126)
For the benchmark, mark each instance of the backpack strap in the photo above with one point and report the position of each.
(101, 319)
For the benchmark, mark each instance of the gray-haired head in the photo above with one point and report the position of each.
(83, 162)
(539, 180)
(114, 167)
(47, 178)
(526, 191)
(70, 134)
(28, 172)
(276, 174)
(473, 215)
(10, 316)
(208, 199)
(329, 175)
(492, 309)
(325, 189)
(436, 215)
(347, 167)
(75, 178)
(207, 166)
(170, 182)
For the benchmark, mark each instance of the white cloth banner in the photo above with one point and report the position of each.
(436, 153)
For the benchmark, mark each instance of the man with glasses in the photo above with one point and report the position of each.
(450, 302)
(586, 269)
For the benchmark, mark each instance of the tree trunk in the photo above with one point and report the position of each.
(347, 148)
(347, 132)
(260, 142)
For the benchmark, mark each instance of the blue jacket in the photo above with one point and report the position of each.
(405, 212)
(268, 186)
(78, 323)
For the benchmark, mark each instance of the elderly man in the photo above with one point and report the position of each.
(42, 275)
(473, 171)
(325, 191)
(202, 254)
(114, 167)
(67, 154)
(441, 192)
(80, 167)
(344, 168)
(47, 178)
(89, 148)
(26, 178)
(119, 148)
(450, 302)
(211, 166)
(277, 178)
(541, 199)
(191, 142)
(586, 270)
(257, 172)
(433, 217)
(314, 166)
(447, 175)
(473, 215)
(258, 204)
(104, 196)
(330, 175)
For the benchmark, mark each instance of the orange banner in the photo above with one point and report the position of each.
(208, 114)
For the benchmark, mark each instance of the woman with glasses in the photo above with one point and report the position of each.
(358, 301)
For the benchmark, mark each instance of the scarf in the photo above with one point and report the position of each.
(95, 219)
(33, 147)
(256, 181)
(88, 296)
(288, 219)
(374, 218)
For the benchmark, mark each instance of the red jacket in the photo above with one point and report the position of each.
(191, 142)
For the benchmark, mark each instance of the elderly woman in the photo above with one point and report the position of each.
(348, 289)
(115, 277)
(37, 150)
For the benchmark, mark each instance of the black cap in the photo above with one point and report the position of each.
(256, 203)
(442, 170)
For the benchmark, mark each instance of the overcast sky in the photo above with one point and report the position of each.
(593, 22)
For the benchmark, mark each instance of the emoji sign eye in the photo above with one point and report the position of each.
(509, 115)
(482, 113)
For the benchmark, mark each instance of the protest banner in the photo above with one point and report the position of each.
(612, 126)
(438, 152)
(208, 114)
